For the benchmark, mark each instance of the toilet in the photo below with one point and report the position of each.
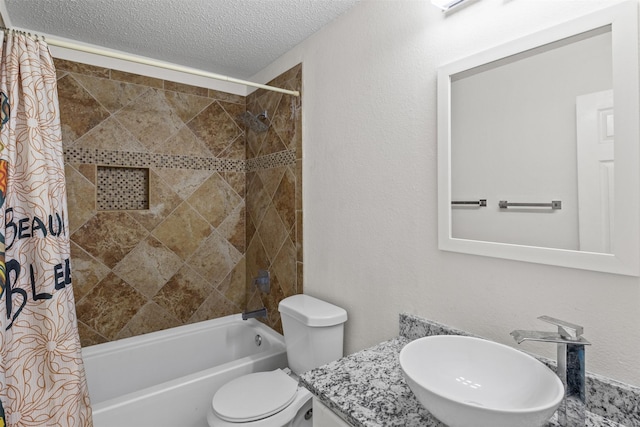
(313, 334)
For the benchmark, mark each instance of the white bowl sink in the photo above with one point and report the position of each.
(471, 382)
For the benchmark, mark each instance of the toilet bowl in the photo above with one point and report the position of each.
(262, 399)
(313, 333)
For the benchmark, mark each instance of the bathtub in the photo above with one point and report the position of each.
(168, 378)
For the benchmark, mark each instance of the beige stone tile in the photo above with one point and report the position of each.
(299, 236)
(109, 236)
(284, 199)
(271, 179)
(183, 143)
(110, 135)
(162, 201)
(111, 94)
(215, 258)
(187, 105)
(233, 228)
(257, 199)
(292, 73)
(299, 184)
(216, 305)
(272, 232)
(233, 287)
(299, 280)
(86, 271)
(234, 111)
(183, 181)
(150, 118)
(89, 171)
(271, 301)
(269, 101)
(227, 97)
(254, 143)
(215, 128)
(250, 227)
(79, 111)
(76, 67)
(284, 267)
(214, 200)
(236, 150)
(253, 97)
(137, 79)
(148, 266)
(237, 181)
(150, 318)
(81, 198)
(183, 231)
(272, 143)
(88, 336)
(256, 259)
(284, 126)
(183, 293)
(254, 301)
(186, 89)
(109, 306)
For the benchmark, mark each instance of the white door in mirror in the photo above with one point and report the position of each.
(595, 148)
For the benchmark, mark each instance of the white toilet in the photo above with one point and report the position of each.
(313, 334)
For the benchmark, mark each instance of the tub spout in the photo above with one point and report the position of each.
(260, 314)
(571, 367)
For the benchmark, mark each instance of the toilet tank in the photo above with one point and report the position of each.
(313, 331)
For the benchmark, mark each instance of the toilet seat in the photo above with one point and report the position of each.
(254, 396)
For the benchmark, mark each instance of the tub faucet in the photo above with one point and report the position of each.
(260, 313)
(571, 367)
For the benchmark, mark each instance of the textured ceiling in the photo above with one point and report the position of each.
(237, 38)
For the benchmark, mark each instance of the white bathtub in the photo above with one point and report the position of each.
(168, 378)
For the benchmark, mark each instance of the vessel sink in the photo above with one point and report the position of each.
(471, 382)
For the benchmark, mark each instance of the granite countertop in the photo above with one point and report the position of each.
(367, 389)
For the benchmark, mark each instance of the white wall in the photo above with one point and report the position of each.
(370, 242)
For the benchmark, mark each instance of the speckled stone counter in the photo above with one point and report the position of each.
(367, 388)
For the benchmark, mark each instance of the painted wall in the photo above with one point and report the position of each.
(370, 192)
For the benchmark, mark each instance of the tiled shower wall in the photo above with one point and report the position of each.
(274, 195)
(184, 258)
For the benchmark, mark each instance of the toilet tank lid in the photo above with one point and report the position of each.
(312, 311)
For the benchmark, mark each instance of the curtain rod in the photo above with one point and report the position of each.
(155, 63)
(166, 65)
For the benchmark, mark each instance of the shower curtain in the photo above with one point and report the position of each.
(42, 380)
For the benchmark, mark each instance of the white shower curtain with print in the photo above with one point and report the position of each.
(42, 379)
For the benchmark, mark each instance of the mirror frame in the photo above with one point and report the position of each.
(623, 20)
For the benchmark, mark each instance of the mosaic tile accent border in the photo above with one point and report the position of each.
(141, 160)
(282, 158)
(122, 188)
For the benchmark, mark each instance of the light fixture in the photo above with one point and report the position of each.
(446, 5)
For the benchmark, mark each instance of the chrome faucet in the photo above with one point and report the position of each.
(571, 367)
(260, 313)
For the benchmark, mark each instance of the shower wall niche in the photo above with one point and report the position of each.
(122, 189)
(221, 203)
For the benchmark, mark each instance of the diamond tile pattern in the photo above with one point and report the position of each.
(273, 199)
(210, 225)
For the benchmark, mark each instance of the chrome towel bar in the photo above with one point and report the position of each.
(481, 202)
(555, 204)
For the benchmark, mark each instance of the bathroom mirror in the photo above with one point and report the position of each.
(530, 164)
